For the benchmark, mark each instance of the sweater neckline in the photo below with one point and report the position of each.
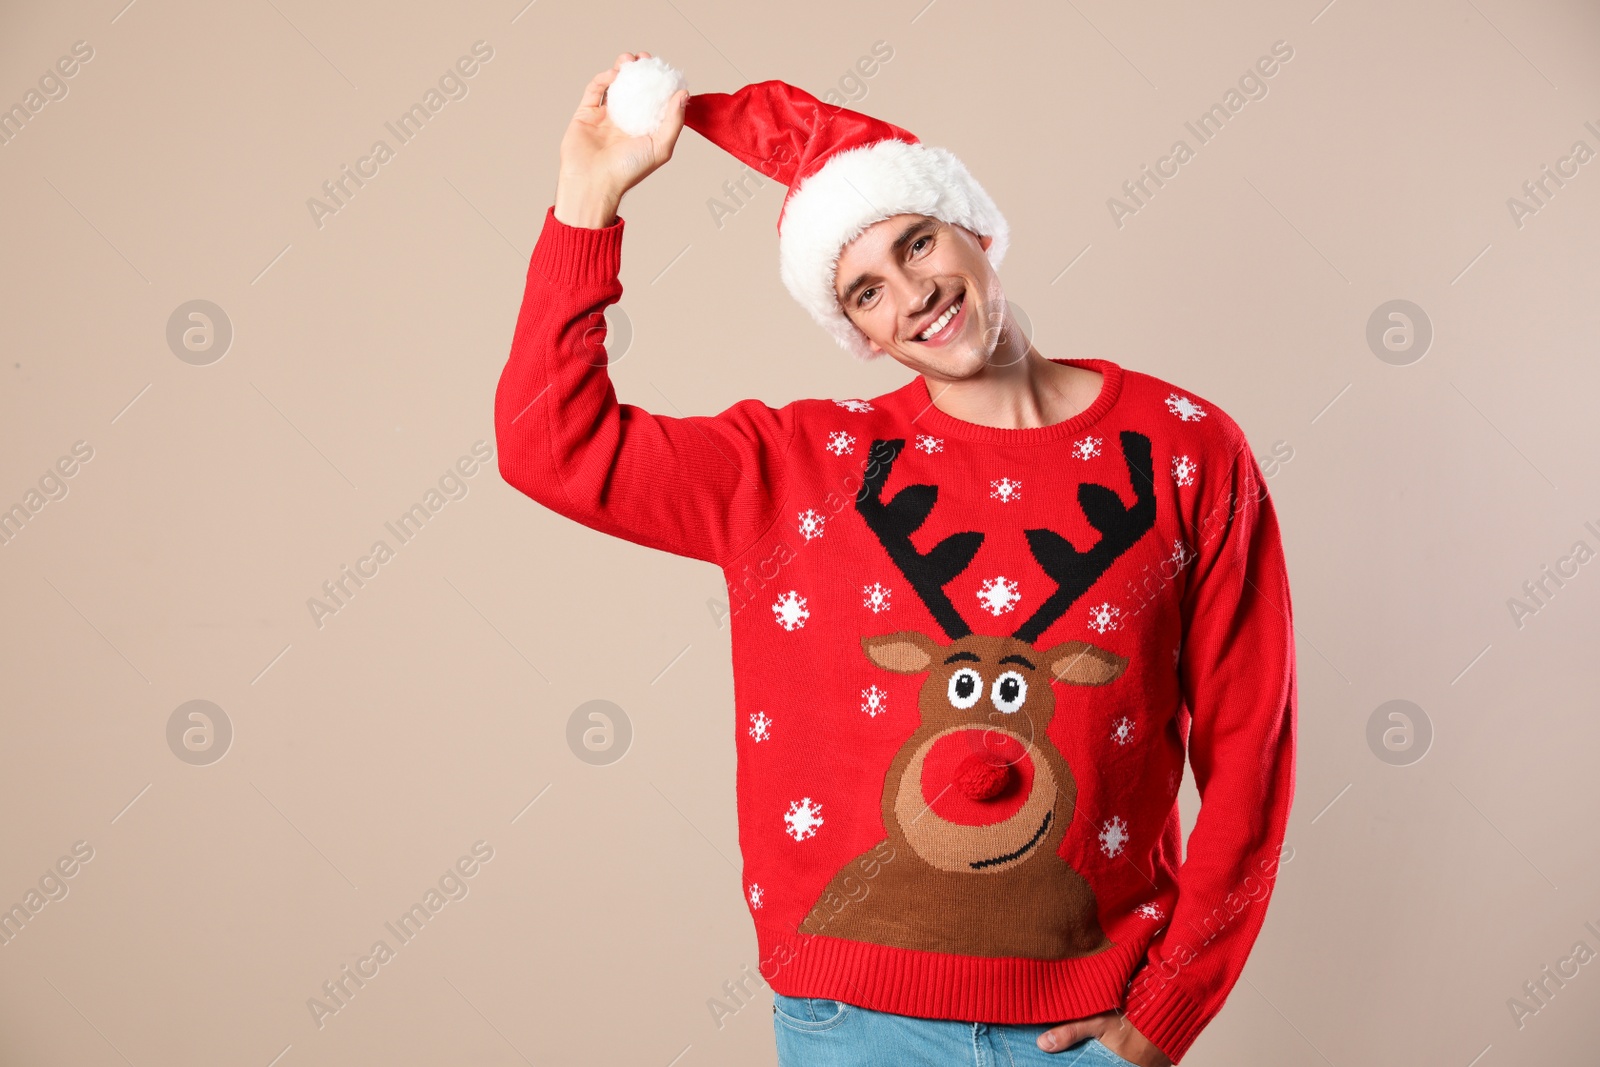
(933, 420)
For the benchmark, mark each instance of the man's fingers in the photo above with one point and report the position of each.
(595, 91)
(1058, 1038)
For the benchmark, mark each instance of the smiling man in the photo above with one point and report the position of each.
(983, 618)
(924, 292)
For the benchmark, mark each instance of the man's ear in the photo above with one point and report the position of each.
(985, 241)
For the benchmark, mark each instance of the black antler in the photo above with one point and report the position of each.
(895, 521)
(1119, 528)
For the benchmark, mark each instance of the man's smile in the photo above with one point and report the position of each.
(943, 326)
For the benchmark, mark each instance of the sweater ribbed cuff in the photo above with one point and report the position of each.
(577, 255)
(1165, 1016)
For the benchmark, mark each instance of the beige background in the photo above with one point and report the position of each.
(370, 753)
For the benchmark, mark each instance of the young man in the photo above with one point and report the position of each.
(977, 621)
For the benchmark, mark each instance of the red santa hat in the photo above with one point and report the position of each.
(845, 171)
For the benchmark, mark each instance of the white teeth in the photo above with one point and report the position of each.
(942, 321)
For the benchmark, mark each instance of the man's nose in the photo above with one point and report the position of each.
(918, 300)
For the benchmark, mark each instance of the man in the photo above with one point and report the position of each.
(978, 621)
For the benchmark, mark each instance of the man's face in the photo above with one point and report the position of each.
(903, 275)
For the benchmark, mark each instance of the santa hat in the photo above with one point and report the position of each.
(845, 171)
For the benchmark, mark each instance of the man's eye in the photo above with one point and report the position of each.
(861, 298)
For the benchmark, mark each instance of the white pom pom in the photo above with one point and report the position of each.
(637, 98)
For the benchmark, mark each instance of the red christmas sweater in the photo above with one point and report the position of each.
(968, 663)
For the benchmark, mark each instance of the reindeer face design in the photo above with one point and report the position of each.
(978, 799)
(979, 787)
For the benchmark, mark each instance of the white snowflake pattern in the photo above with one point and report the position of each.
(930, 444)
(1183, 469)
(1182, 554)
(1104, 617)
(760, 726)
(1122, 730)
(854, 405)
(1113, 836)
(1184, 408)
(1176, 651)
(1087, 448)
(802, 818)
(790, 610)
(873, 701)
(840, 443)
(810, 523)
(756, 895)
(1174, 779)
(1005, 490)
(999, 595)
(1149, 910)
(877, 597)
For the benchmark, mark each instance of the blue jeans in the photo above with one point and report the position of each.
(812, 1032)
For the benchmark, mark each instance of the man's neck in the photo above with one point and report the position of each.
(1022, 394)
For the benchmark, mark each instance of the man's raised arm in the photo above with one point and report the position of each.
(703, 486)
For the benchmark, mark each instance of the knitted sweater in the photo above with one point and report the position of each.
(968, 662)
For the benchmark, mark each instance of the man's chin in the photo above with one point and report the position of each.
(953, 362)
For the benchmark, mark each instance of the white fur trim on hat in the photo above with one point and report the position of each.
(637, 98)
(861, 186)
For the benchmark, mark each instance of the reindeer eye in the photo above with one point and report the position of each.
(966, 686)
(1010, 691)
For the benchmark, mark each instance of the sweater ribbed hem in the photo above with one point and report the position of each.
(1165, 1016)
(930, 985)
(577, 255)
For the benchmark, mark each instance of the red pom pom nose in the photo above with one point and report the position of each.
(981, 777)
(976, 777)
